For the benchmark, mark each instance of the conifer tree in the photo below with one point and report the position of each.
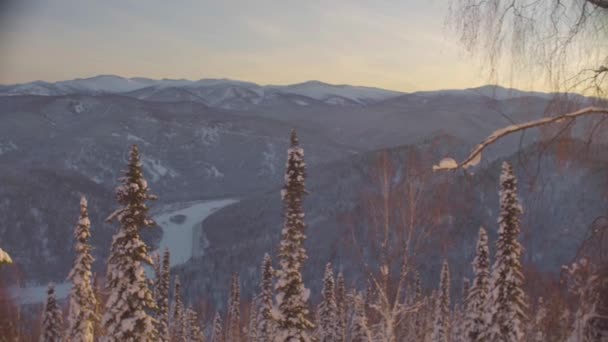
(98, 309)
(265, 320)
(441, 327)
(162, 298)
(177, 318)
(507, 300)
(82, 303)
(233, 327)
(52, 319)
(359, 328)
(157, 267)
(341, 306)
(458, 330)
(475, 324)
(327, 312)
(252, 326)
(129, 305)
(537, 332)
(419, 324)
(217, 334)
(192, 329)
(293, 324)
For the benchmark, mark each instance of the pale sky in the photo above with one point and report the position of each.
(400, 44)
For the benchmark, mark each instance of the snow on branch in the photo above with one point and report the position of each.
(5, 258)
(475, 157)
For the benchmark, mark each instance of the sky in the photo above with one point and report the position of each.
(401, 45)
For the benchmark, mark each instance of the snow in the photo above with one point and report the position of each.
(156, 169)
(180, 237)
(321, 91)
(7, 147)
(220, 90)
(37, 294)
(78, 107)
(445, 164)
(5, 258)
(135, 138)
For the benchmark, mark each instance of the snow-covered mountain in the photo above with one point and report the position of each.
(219, 93)
(216, 139)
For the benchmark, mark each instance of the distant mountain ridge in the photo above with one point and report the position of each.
(235, 94)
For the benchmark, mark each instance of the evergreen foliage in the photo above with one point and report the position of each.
(293, 323)
(130, 303)
(441, 327)
(475, 321)
(52, 319)
(507, 300)
(82, 302)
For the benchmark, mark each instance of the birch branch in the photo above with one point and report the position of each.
(475, 157)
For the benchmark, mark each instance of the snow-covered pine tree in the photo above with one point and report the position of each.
(537, 329)
(127, 313)
(359, 329)
(475, 321)
(441, 326)
(507, 299)
(178, 316)
(419, 319)
(162, 298)
(192, 328)
(252, 325)
(52, 318)
(431, 308)
(157, 267)
(82, 303)
(98, 309)
(265, 320)
(293, 323)
(217, 335)
(233, 326)
(466, 287)
(341, 306)
(458, 330)
(327, 312)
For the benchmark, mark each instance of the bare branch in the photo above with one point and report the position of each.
(475, 156)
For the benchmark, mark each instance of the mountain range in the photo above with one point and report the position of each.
(218, 139)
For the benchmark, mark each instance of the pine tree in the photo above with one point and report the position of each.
(157, 267)
(98, 309)
(83, 302)
(537, 331)
(192, 329)
(327, 312)
(419, 325)
(293, 324)
(359, 331)
(52, 319)
(507, 299)
(216, 334)
(341, 306)
(458, 330)
(162, 298)
(252, 326)
(475, 324)
(127, 313)
(265, 319)
(178, 318)
(441, 327)
(233, 328)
